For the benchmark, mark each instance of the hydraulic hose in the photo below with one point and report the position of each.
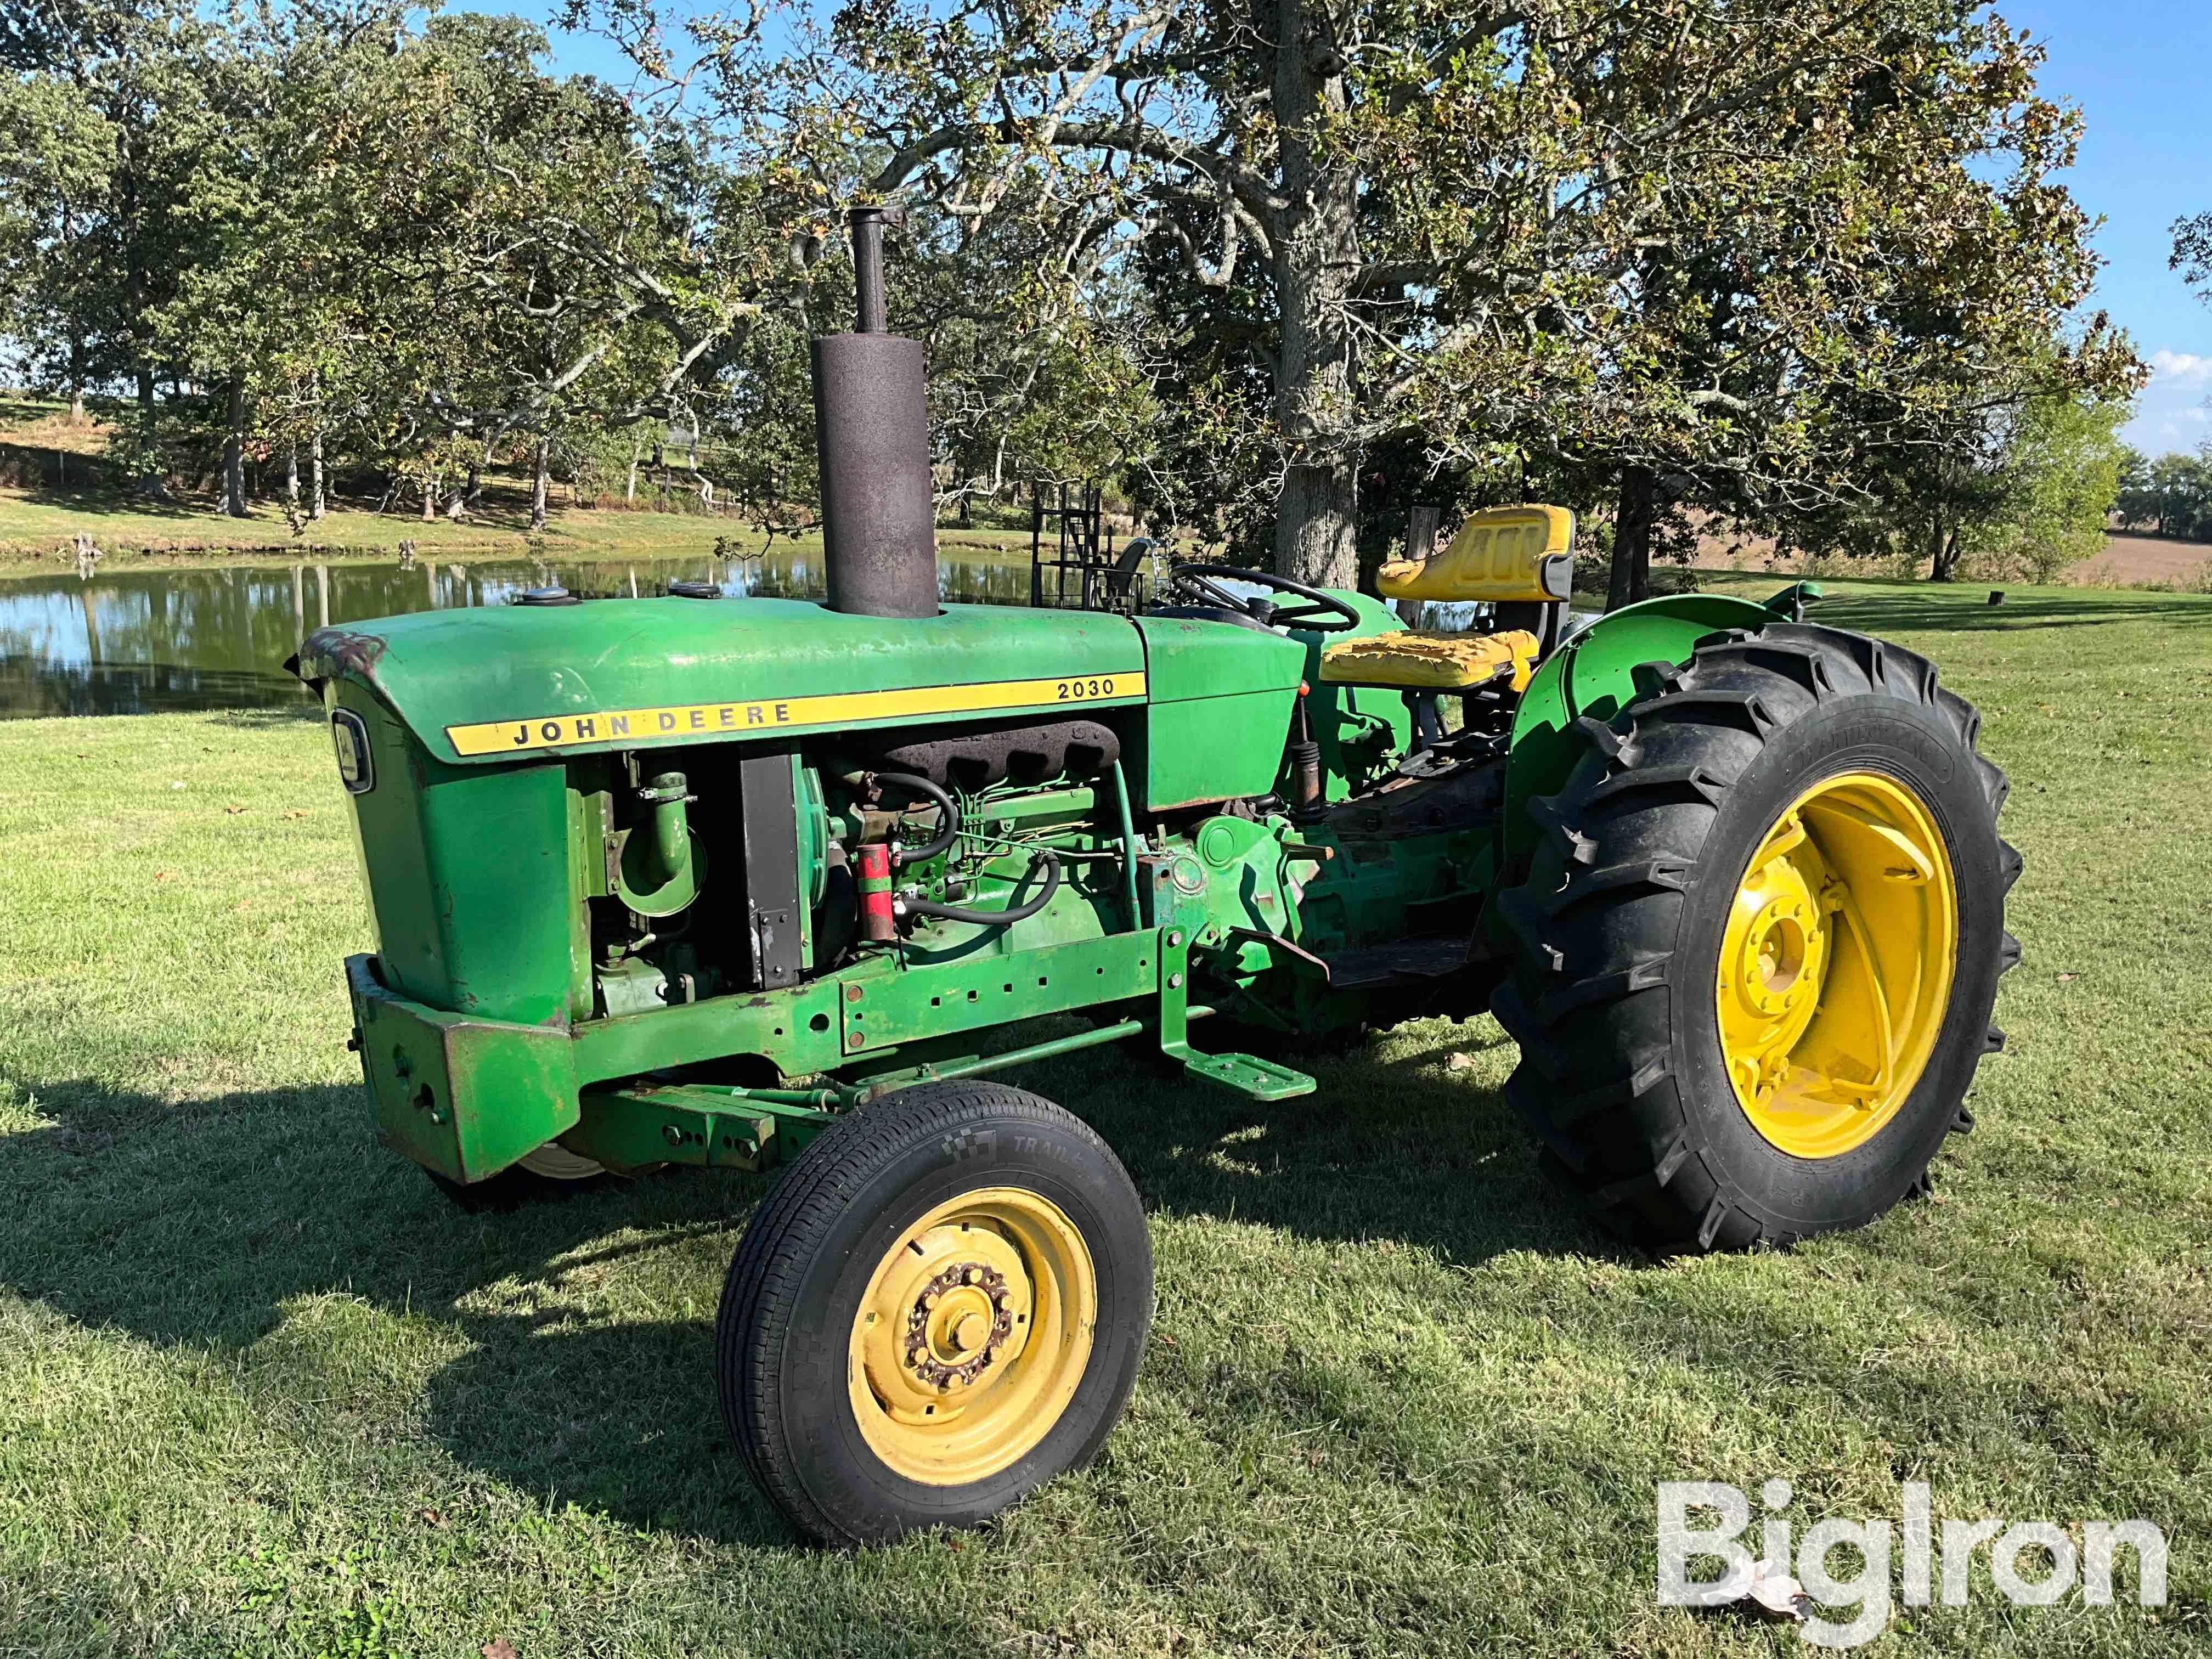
(1046, 856)
(948, 815)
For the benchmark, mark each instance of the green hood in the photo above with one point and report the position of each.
(474, 685)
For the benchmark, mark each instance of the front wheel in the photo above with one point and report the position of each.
(940, 1307)
(1760, 941)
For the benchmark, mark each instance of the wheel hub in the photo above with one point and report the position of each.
(972, 1335)
(956, 1326)
(1835, 964)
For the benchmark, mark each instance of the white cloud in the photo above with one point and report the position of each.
(2180, 367)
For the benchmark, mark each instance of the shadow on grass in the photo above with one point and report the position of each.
(200, 1224)
(1905, 612)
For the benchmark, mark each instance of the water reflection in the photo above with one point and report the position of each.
(140, 642)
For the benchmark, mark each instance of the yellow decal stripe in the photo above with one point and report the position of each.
(710, 720)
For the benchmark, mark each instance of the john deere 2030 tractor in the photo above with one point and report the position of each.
(770, 884)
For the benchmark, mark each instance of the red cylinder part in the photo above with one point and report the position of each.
(877, 924)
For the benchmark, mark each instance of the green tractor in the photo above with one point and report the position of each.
(773, 885)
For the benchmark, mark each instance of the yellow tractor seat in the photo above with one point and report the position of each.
(1429, 662)
(1501, 556)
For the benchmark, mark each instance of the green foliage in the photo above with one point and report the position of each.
(2172, 495)
(1747, 252)
(2052, 491)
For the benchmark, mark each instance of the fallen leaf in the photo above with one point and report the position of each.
(954, 1544)
(296, 812)
(499, 1648)
(164, 875)
(433, 1517)
(1460, 1061)
(176, 786)
(2068, 979)
(233, 811)
(1777, 1595)
(242, 905)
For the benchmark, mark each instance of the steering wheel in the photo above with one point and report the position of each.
(1322, 613)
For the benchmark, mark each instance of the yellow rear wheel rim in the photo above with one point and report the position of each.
(1835, 964)
(972, 1336)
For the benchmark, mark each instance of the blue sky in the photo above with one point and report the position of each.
(2137, 69)
(2141, 72)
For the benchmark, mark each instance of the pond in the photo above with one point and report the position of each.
(136, 642)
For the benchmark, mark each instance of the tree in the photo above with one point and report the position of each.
(1463, 225)
(54, 176)
(2172, 494)
(150, 76)
(2056, 483)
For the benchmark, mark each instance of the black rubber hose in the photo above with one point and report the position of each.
(946, 811)
(1047, 858)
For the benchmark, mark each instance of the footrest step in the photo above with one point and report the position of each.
(1255, 1078)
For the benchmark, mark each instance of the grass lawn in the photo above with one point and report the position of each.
(38, 525)
(37, 528)
(263, 1391)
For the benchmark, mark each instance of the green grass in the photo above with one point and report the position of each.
(262, 1391)
(38, 525)
(37, 529)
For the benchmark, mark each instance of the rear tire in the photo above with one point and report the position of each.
(940, 1306)
(1627, 1076)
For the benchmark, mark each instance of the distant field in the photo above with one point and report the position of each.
(2154, 559)
(263, 1393)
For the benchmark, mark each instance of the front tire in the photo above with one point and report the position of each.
(1759, 942)
(940, 1307)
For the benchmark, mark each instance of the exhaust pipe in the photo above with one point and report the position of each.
(872, 436)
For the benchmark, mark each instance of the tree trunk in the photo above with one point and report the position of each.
(544, 468)
(1316, 255)
(292, 473)
(1942, 550)
(1631, 538)
(315, 474)
(152, 481)
(636, 446)
(77, 380)
(429, 493)
(234, 451)
(1947, 558)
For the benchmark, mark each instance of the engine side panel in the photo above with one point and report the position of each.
(1221, 702)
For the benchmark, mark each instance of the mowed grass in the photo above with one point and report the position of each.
(263, 1391)
(38, 528)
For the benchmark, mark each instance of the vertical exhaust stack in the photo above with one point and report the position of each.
(871, 433)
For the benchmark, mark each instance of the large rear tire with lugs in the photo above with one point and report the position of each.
(1759, 942)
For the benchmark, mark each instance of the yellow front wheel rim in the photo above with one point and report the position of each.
(1835, 964)
(972, 1336)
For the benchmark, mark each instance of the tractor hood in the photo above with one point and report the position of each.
(474, 685)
